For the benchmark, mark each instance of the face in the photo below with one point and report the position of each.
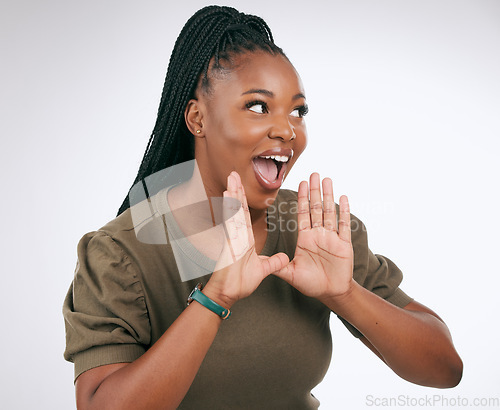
(251, 122)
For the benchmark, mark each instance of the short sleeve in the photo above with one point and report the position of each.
(105, 313)
(376, 273)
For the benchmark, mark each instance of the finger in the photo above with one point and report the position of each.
(227, 256)
(329, 212)
(303, 217)
(344, 219)
(237, 187)
(285, 273)
(243, 199)
(315, 204)
(230, 185)
(234, 245)
(230, 202)
(239, 192)
(274, 263)
(243, 223)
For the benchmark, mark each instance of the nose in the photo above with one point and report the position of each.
(283, 130)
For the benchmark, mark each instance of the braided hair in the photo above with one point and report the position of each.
(211, 35)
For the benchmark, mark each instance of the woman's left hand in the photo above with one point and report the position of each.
(323, 263)
(413, 341)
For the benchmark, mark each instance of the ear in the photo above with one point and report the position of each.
(193, 115)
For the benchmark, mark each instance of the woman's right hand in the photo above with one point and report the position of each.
(239, 270)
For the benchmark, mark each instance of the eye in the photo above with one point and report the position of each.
(300, 112)
(259, 107)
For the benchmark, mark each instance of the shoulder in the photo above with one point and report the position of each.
(122, 223)
(140, 225)
(123, 251)
(103, 246)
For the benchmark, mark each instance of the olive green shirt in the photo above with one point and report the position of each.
(272, 351)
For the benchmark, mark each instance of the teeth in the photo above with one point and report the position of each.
(280, 158)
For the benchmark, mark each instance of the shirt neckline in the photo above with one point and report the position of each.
(177, 237)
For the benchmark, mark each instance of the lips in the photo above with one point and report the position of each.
(270, 167)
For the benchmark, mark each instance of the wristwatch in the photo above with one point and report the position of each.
(196, 294)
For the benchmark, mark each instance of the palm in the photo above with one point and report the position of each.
(323, 260)
(244, 272)
(239, 269)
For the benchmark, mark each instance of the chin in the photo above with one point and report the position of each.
(258, 197)
(262, 201)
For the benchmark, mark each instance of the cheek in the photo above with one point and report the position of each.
(301, 142)
(237, 133)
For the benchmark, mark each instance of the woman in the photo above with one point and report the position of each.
(234, 103)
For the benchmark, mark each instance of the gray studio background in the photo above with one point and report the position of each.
(404, 116)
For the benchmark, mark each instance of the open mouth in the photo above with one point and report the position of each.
(270, 169)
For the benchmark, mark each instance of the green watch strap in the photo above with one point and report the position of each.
(196, 294)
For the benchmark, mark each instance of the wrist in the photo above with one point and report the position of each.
(217, 296)
(338, 301)
(204, 300)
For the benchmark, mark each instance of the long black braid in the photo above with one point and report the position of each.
(212, 32)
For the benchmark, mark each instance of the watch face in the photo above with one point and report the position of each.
(190, 297)
(196, 289)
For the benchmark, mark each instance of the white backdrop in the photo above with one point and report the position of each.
(404, 103)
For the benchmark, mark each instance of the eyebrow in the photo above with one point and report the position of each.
(270, 93)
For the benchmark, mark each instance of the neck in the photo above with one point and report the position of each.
(190, 192)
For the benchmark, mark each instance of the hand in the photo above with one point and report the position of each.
(239, 270)
(323, 263)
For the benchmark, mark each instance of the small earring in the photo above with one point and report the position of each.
(198, 131)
